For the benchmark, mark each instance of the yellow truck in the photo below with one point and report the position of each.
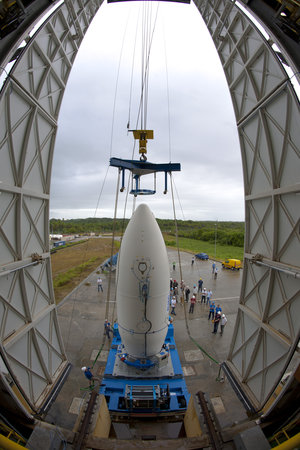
(233, 264)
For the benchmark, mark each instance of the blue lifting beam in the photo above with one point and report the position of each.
(139, 168)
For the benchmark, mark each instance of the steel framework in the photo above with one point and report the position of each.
(32, 351)
(268, 119)
(267, 114)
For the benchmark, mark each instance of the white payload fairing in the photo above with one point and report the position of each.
(143, 279)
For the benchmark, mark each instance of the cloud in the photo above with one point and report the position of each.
(189, 108)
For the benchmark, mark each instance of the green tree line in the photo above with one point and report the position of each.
(224, 233)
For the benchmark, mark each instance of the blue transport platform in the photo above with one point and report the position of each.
(156, 391)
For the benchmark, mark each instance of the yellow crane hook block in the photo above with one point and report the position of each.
(143, 136)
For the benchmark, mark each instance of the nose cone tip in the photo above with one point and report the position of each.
(142, 209)
(143, 214)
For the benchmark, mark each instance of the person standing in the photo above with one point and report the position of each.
(223, 322)
(88, 374)
(213, 267)
(182, 286)
(182, 289)
(203, 296)
(216, 273)
(209, 295)
(107, 328)
(218, 309)
(174, 265)
(193, 301)
(211, 310)
(216, 323)
(193, 260)
(195, 290)
(173, 305)
(200, 283)
(99, 283)
(175, 287)
(187, 294)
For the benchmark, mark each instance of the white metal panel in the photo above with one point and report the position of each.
(31, 345)
(268, 119)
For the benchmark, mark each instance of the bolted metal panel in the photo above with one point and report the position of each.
(31, 344)
(268, 120)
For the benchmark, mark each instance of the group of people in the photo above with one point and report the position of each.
(200, 294)
(218, 318)
(174, 293)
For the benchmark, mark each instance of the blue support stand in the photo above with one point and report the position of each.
(151, 392)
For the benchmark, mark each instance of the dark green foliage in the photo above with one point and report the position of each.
(85, 226)
(225, 233)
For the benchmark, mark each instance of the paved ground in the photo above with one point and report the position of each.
(82, 315)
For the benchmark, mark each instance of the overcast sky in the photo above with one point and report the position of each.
(189, 109)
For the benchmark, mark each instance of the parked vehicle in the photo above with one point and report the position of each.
(233, 264)
(202, 256)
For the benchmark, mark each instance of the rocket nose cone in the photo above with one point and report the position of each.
(142, 285)
(143, 210)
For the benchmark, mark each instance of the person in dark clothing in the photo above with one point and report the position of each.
(200, 283)
(88, 374)
(216, 322)
(107, 328)
(187, 294)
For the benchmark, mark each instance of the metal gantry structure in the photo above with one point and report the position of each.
(266, 335)
(32, 350)
(268, 117)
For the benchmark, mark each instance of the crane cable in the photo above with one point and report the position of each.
(146, 43)
(132, 67)
(146, 50)
(180, 270)
(116, 88)
(168, 96)
(117, 193)
(110, 272)
(147, 38)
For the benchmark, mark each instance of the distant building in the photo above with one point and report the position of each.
(55, 237)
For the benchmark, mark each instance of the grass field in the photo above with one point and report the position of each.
(195, 246)
(71, 265)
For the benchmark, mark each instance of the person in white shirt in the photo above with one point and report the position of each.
(99, 282)
(173, 305)
(223, 323)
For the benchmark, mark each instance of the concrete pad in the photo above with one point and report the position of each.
(102, 357)
(204, 368)
(101, 370)
(83, 337)
(188, 371)
(218, 405)
(193, 355)
(76, 405)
